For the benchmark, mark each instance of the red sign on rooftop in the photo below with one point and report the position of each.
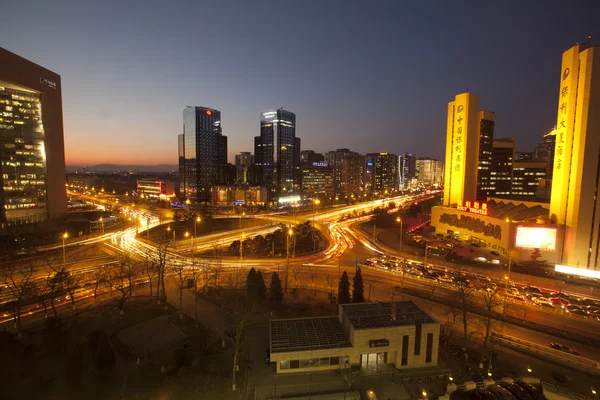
(474, 207)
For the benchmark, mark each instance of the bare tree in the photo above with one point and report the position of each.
(180, 277)
(464, 292)
(18, 279)
(242, 312)
(295, 271)
(162, 252)
(99, 278)
(150, 269)
(56, 284)
(71, 282)
(195, 273)
(130, 271)
(491, 301)
(117, 279)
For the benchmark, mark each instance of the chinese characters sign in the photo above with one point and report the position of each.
(472, 224)
(474, 207)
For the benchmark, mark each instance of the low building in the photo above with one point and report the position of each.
(155, 188)
(363, 334)
(237, 195)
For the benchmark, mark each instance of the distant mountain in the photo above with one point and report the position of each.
(118, 167)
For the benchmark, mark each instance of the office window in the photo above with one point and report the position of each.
(294, 364)
(284, 365)
(404, 350)
(334, 360)
(418, 340)
(429, 348)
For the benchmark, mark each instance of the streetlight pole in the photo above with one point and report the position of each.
(64, 237)
(287, 266)
(400, 221)
(315, 205)
(198, 219)
(426, 248)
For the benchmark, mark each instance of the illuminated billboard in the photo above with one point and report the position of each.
(533, 237)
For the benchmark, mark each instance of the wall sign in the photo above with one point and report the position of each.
(379, 343)
(472, 224)
(473, 207)
(48, 82)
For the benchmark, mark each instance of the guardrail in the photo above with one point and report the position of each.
(552, 392)
(569, 360)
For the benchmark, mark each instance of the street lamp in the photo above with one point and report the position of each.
(64, 237)
(529, 370)
(398, 219)
(243, 214)
(198, 219)
(242, 246)
(315, 205)
(290, 232)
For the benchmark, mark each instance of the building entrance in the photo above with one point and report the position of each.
(373, 359)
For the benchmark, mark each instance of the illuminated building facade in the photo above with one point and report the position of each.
(353, 174)
(229, 195)
(462, 149)
(155, 188)
(336, 158)
(32, 158)
(429, 171)
(576, 178)
(317, 180)
(407, 168)
(382, 172)
(503, 156)
(525, 179)
(243, 162)
(486, 145)
(204, 152)
(274, 152)
(309, 157)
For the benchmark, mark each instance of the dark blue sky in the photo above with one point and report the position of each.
(371, 76)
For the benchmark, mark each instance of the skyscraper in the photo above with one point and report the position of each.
(503, 156)
(486, 144)
(462, 149)
(429, 171)
(204, 152)
(243, 162)
(274, 151)
(575, 181)
(407, 168)
(335, 158)
(32, 157)
(384, 175)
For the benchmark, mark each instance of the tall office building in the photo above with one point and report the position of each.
(204, 152)
(383, 172)
(407, 168)
(243, 162)
(317, 180)
(309, 156)
(486, 144)
(462, 149)
(545, 151)
(181, 162)
(32, 157)
(353, 174)
(575, 181)
(274, 150)
(335, 158)
(429, 171)
(525, 179)
(503, 156)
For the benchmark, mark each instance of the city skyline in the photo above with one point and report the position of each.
(105, 74)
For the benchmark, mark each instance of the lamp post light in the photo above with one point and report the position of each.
(198, 219)
(290, 232)
(243, 214)
(242, 246)
(64, 237)
(102, 224)
(399, 220)
(315, 205)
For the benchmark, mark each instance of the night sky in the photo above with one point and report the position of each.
(367, 75)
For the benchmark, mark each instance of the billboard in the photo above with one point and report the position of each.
(534, 237)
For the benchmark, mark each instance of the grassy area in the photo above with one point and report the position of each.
(82, 357)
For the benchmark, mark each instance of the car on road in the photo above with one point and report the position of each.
(578, 312)
(501, 393)
(533, 391)
(494, 253)
(540, 300)
(558, 301)
(532, 289)
(560, 295)
(563, 348)
(513, 291)
(516, 298)
(475, 245)
(516, 390)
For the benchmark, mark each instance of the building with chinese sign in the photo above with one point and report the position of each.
(575, 178)
(462, 149)
(361, 335)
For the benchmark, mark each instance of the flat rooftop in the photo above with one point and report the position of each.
(300, 334)
(384, 314)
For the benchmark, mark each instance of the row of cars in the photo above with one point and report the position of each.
(517, 390)
(582, 306)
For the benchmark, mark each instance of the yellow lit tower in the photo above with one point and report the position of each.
(576, 175)
(462, 149)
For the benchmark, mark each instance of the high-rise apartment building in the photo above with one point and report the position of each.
(274, 150)
(503, 156)
(383, 173)
(407, 168)
(317, 180)
(32, 157)
(575, 180)
(462, 149)
(486, 144)
(429, 171)
(204, 152)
